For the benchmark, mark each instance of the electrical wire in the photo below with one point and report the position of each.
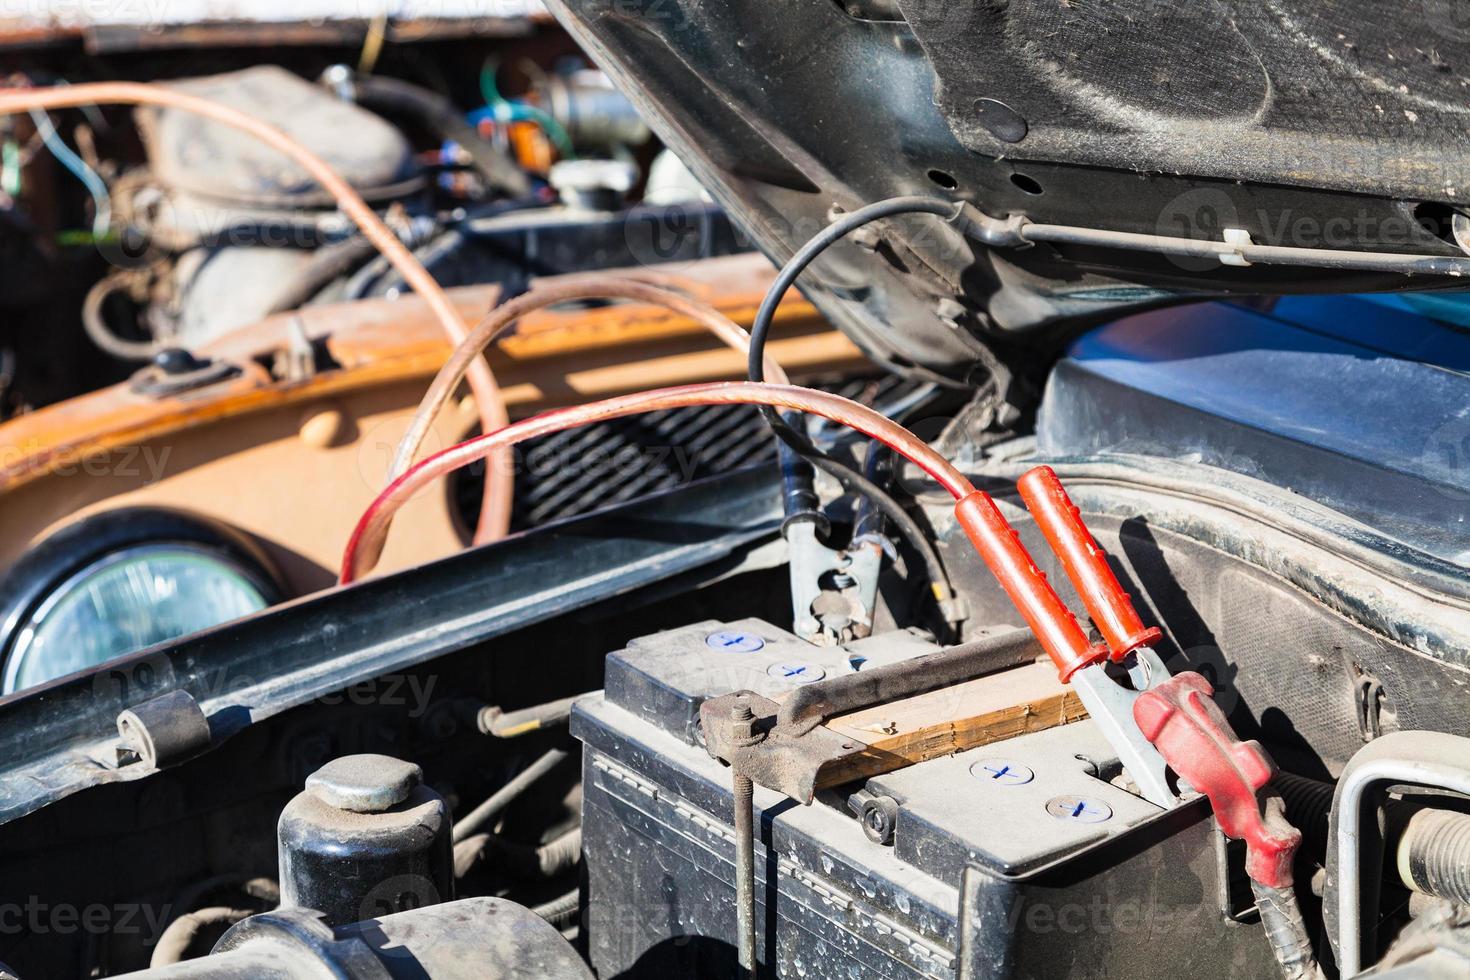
(501, 110)
(68, 158)
(366, 543)
(507, 111)
(94, 320)
(372, 43)
(850, 479)
(500, 484)
(500, 320)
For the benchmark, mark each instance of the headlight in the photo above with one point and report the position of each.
(120, 582)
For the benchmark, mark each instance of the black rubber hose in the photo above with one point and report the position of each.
(325, 266)
(561, 912)
(1308, 805)
(507, 794)
(393, 96)
(851, 480)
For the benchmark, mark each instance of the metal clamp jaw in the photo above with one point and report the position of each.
(833, 593)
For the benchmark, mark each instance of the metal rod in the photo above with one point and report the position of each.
(507, 794)
(745, 872)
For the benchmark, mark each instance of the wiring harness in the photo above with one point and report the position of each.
(499, 487)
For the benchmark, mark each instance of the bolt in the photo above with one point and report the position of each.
(879, 817)
(1080, 809)
(742, 723)
(734, 641)
(743, 792)
(1002, 772)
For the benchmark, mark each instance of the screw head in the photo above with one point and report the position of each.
(1080, 809)
(795, 672)
(734, 641)
(1002, 772)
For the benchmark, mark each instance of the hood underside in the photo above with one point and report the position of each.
(1302, 123)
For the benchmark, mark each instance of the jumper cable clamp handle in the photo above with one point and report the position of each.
(1085, 563)
(1079, 663)
(1026, 585)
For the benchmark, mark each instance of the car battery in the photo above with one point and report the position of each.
(1020, 858)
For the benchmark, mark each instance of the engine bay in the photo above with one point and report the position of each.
(968, 829)
(457, 553)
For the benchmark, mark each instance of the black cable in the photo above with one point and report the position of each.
(444, 119)
(851, 480)
(326, 266)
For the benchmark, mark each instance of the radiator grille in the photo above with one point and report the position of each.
(583, 470)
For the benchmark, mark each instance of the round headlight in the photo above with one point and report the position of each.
(106, 587)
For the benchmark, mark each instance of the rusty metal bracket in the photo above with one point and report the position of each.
(810, 705)
(784, 747)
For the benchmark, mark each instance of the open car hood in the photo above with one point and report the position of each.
(1337, 125)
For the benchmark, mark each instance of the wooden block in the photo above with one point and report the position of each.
(940, 723)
